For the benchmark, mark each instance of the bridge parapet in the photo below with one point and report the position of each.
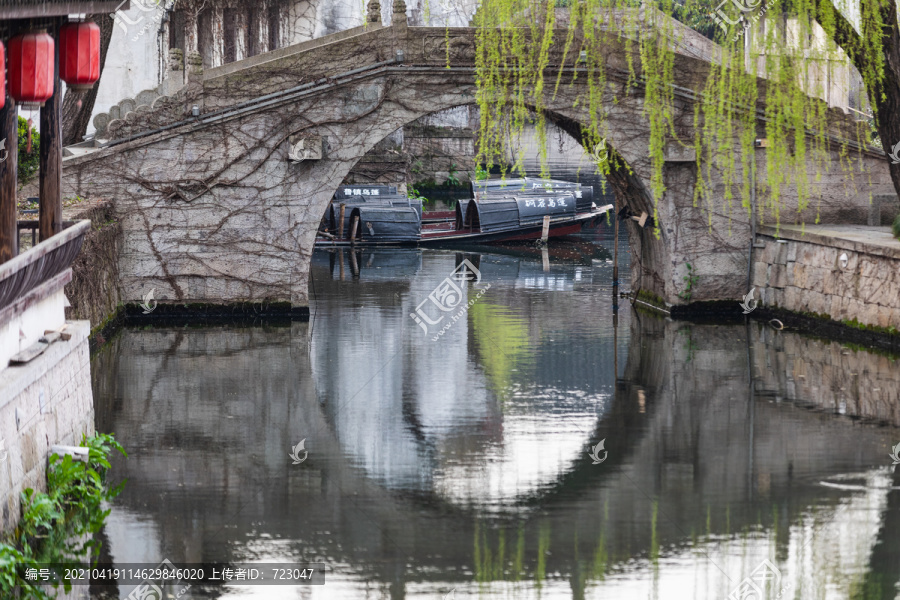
(320, 61)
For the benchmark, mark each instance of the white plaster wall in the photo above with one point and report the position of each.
(49, 313)
(440, 13)
(338, 15)
(133, 60)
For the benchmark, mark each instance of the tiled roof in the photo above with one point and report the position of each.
(24, 9)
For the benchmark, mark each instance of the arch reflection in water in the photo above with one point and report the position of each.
(463, 464)
(462, 418)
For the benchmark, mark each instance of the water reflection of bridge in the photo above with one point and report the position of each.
(469, 455)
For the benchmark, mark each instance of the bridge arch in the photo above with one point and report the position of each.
(213, 210)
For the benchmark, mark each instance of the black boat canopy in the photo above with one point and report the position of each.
(509, 212)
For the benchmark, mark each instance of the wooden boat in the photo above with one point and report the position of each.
(370, 215)
(499, 211)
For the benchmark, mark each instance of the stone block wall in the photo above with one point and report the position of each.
(94, 291)
(45, 402)
(437, 152)
(804, 273)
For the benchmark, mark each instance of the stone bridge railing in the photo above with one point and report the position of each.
(188, 85)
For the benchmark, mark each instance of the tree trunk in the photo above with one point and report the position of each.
(884, 96)
(887, 120)
(887, 97)
(77, 108)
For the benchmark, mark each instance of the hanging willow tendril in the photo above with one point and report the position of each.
(765, 83)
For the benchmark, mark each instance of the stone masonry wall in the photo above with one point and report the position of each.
(46, 402)
(94, 290)
(804, 274)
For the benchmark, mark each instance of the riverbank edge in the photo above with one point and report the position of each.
(816, 325)
(182, 315)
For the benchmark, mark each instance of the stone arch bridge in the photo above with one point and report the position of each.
(214, 212)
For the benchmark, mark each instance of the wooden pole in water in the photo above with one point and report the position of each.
(340, 231)
(616, 254)
(354, 224)
(354, 266)
(545, 230)
(50, 156)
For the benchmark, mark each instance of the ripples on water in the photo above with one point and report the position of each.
(462, 463)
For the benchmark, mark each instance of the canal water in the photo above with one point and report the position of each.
(534, 443)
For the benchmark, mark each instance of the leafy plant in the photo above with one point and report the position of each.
(452, 179)
(481, 173)
(895, 228)
(54, 523)
(690, 280)
(697, 14)
(28, 161)
(415, 195)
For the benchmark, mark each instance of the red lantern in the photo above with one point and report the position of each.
(30, 68)
(79, 55)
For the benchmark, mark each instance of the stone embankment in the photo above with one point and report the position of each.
(45, 402)
(843, 274)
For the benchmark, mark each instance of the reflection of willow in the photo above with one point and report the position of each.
(495, 562)
(502, 342)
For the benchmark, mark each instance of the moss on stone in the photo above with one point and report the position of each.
(651, 298)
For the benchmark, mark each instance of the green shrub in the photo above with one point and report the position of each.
(28, 163)
(414, 194)
(896, 227)
(53, 524)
